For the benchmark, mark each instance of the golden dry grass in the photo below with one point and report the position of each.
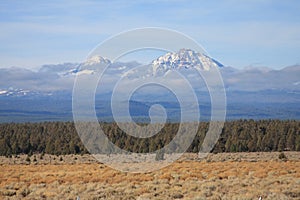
(185, 179)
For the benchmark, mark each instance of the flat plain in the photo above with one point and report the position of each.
(218, 176)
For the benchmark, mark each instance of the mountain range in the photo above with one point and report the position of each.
(26, 95)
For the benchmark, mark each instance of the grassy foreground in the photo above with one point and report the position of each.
(218, 176)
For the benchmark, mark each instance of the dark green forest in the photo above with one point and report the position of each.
(61, 138)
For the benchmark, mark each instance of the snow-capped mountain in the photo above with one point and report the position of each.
(88, 67)
(95, 60)
(184, 58)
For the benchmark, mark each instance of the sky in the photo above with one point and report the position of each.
(257, 33)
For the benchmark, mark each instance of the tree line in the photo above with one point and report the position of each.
(60, 138)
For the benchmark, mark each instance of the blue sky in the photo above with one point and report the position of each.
(237, 33)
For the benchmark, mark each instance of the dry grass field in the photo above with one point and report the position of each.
(218, 176)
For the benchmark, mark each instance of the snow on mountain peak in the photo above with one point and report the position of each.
(97, 59)
(184, 58)
(88, 67)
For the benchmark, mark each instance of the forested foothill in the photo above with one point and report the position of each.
(60, 138)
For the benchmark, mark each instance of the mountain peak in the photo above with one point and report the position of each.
(184, 58)
(97, 59)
